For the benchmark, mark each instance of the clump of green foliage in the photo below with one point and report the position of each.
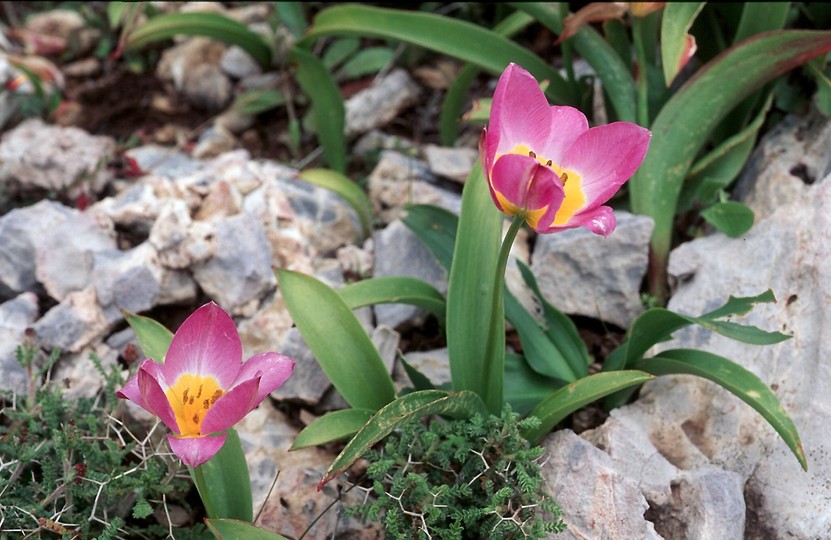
(71, 469)
(456, 479)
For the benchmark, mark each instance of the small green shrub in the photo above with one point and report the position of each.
(70, 469)
(455, 479)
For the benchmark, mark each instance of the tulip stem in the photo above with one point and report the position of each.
(495, 353)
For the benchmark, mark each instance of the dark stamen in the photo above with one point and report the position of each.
(532, 154)
(564, 178)
(195, 418)
(199, 394)
(548, 162)
(185, 395)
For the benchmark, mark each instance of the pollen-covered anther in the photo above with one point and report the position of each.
(532, 154)
(563, 177)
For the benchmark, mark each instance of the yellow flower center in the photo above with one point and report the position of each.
(574, 198)
(191, 397)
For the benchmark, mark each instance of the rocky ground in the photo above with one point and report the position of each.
(207, 204)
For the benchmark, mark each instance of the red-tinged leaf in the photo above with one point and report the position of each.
(591, 13)
(686, 121)
(677, 46)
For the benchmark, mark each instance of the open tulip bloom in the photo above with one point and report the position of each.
(203, 388)
(545, 164)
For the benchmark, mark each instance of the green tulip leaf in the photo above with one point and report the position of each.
(257, 101)
(212, 25)
(223, 482)
(732, 218)
(337, 339)
(564, 401)
(734, 378)
(459, 39)
(332, 426)
(677, 46)
(475, 332)
(329, 112)
(436, 228)
(524, 387)
(154, 339)
(394, 290)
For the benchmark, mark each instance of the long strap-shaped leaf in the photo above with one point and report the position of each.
(338, 341)
(459, 39)
(212, 25)
(733, 377)
(394, 290)
(475, 334)
(571, 397)
(682, 126)
(416, 405)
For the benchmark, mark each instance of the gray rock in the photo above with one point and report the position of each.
(453, 163)
(382, 102)
(239, 274)
(193, 66)
(136, 206)
(77, 376)
(136, 281)
(21, 230)
(435, 365)
(308, 383)
(38, 155)
(180, 241)
(214, 141)
(398, 252)
(163, 161)
(398, 180)
(597, 501)
(696, 425)
(582, 273)
(16, 315)
(238, 64)
(65, 256)
(374, 141)
(788, 160)
(707, 503)
(73, 324)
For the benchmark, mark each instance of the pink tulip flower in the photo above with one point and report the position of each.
(203, 388)
(544, 162)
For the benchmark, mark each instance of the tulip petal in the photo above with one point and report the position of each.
(605, 157)
(195, 451)
(153, 397)
(231, 407)
(520, 114)
(208, 344)
(272, 368)
(567, 124)
(600, 220)
(527, 186)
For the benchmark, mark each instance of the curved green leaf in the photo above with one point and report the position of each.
(232, 529)
(332, 426)
(346, 188)
(580, 393)
(154, 339)
(681, 128)
(338, 341)
(758, 17)
(734, 378)
(560, 329)
(369, 60)
(677, 46)
(732, 218)
(223, 482)
(456, 38)
(256, 101)
(394, 290)
(657, 324)
(473, 349)
(416, 405)
(329, 111)
(212, 25)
